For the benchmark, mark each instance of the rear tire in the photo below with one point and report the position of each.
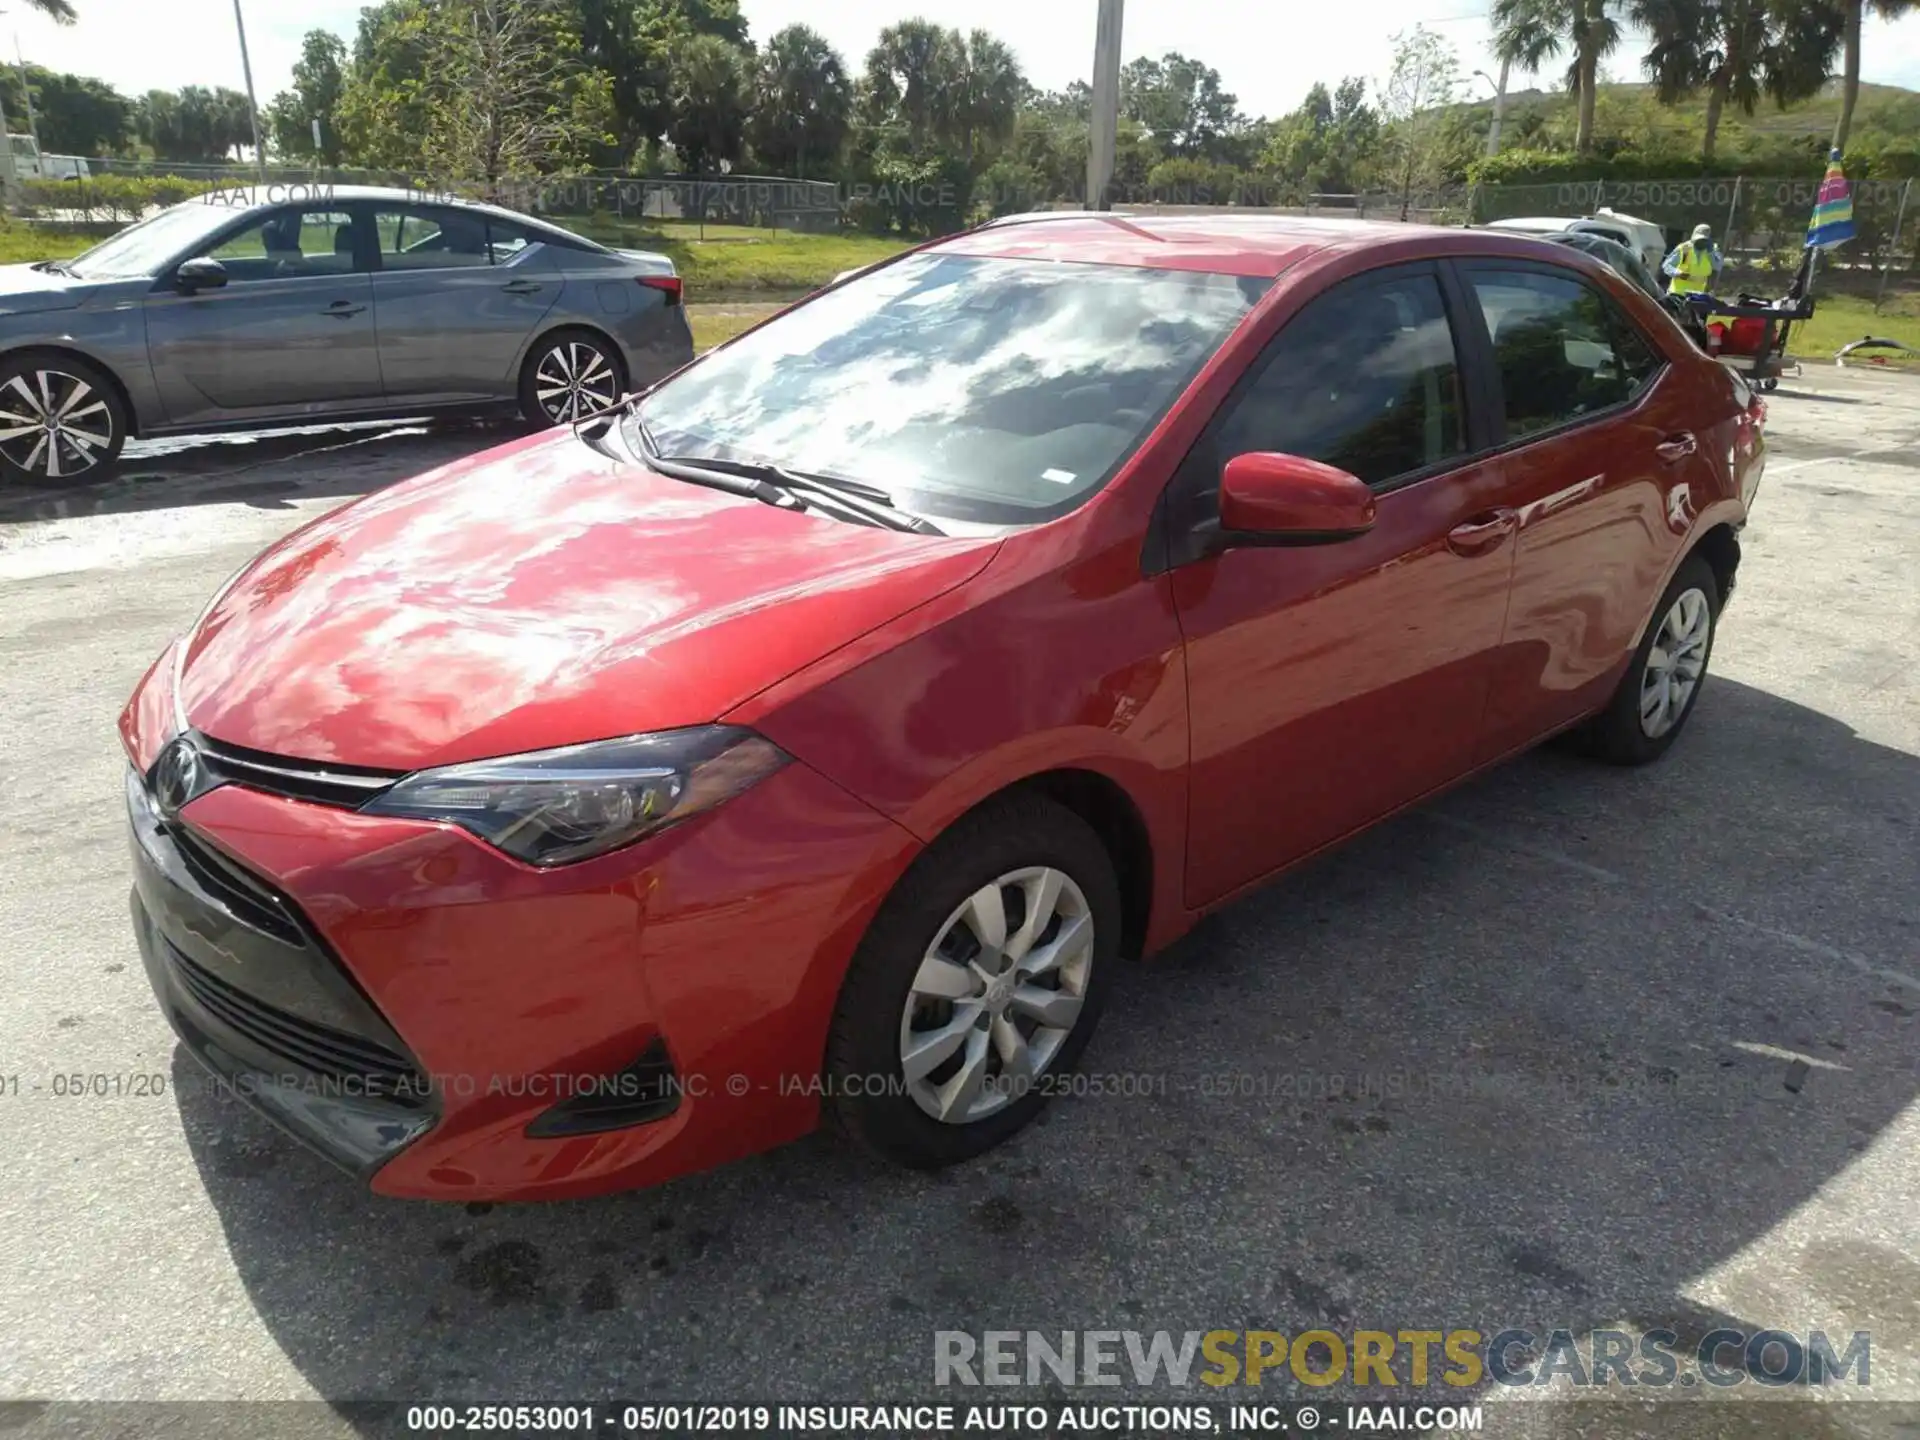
(570, 373)
(61, 420)
(1662, 685)
(977, 985)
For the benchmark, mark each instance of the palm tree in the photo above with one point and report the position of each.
(1850, 12)
(802, 102)
(58, 11)
(1528, 32)
(1737, 51)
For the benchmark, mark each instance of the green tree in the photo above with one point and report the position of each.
(911, 79)
(194, 124)
(75, 114)
(383, 109)
(505, 92)
(1849, 13)
(319, 79)
(1529, 32)
(1736, 51)
(1414, 101)
(802, 104)
(1329, 145)
(1181, 103)
(709, 92)
(984, 101)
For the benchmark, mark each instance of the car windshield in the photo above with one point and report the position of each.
(143, 248)
(999, 391)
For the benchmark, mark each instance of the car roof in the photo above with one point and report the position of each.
(322, 192)
(1254, 243)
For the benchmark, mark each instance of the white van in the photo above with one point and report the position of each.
(1643, 237)
(30, 164)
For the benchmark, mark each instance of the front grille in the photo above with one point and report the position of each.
(251, 901)
(350, 1060)
(346, 786)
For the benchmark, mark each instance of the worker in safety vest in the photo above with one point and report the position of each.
(1694, 263)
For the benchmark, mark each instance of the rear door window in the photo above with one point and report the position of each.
(1564, 352)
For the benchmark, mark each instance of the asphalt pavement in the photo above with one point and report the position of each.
(1571, 1047)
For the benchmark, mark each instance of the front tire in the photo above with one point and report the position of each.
(1662, 685)
(61, 420)
(977, 986)
(568, 374)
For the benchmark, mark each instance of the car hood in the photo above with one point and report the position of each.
(27, 291)
(540, 594)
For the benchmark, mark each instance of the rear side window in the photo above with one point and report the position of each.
(1364, 378)
(1563, 351)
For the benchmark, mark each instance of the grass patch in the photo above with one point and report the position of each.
(22, 244)
(1840, 319)
(715, 324)
(734, 260)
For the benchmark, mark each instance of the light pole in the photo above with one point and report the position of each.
(1103, 134)
(253, 108)
(1499, 104)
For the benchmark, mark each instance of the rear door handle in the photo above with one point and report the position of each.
(1482, 533)
(1677, 447)
(522, 287)
(343, 309)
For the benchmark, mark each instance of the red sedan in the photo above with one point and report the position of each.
(818, 732)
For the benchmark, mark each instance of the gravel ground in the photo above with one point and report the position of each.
(1525, 1057)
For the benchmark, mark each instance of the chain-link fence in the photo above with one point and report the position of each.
(1759, 222)
(117, 192)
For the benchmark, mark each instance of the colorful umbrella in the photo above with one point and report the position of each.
(1833, 210)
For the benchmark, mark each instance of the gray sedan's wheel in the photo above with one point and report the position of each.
(977, 985)
(60, 420)
(568, 374)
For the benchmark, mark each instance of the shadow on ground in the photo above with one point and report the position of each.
(267, 468)
(1487, 1066)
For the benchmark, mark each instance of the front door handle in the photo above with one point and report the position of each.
(522, 287)
(343, 309)
(1677, 447)
(1482, 533)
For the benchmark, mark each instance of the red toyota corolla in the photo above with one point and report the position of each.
(817, 734)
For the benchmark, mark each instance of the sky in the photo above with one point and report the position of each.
(1269, 52)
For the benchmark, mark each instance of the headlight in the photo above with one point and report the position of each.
(552, 807)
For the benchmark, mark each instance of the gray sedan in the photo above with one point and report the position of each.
(291, 305)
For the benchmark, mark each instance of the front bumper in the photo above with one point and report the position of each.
(497, 992)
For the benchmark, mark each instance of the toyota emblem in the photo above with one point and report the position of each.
(177, 776)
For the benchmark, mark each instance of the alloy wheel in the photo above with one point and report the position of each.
(575, 378)
(1675, 663)
(54, 425)
(997, 994)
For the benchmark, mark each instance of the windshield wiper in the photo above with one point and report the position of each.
(53, 267)
(870, 504)
(696, 474)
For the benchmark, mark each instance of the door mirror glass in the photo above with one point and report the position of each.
(1272, 499)
(203, 272)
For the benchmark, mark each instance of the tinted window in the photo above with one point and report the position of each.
(1363, 378)
(287, 244)
(415, 237)
(1563, 352)
(982, 389)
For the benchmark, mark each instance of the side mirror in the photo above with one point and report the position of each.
(202, 272)
(1270, 499)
